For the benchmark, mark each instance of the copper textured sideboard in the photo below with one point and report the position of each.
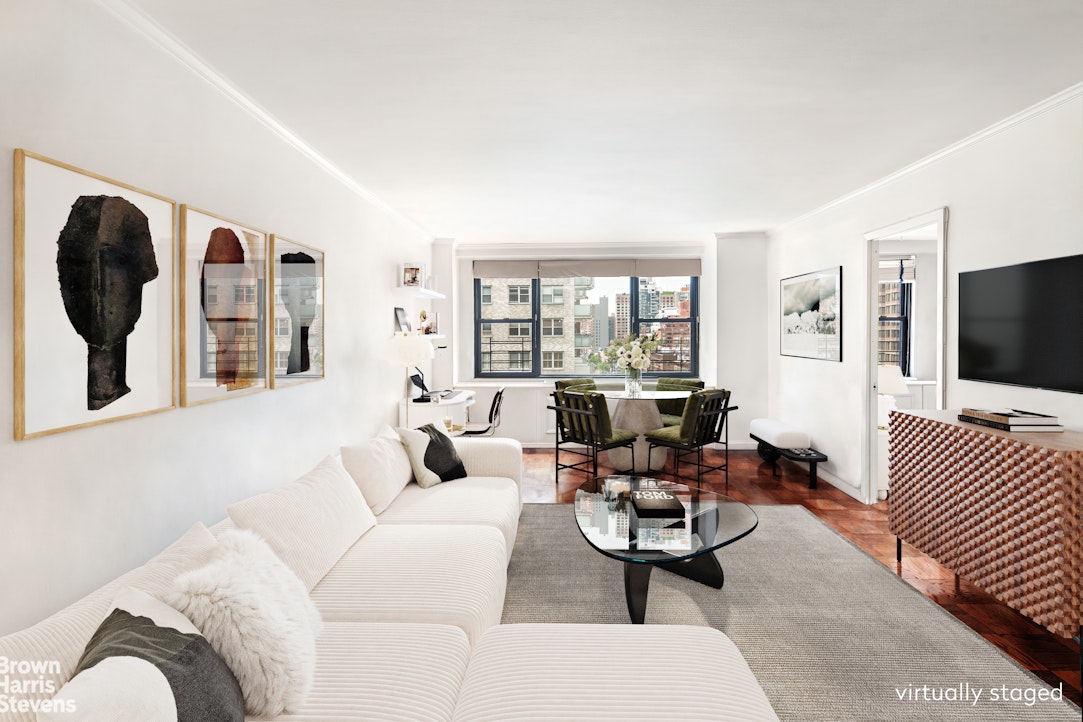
(1003, 510)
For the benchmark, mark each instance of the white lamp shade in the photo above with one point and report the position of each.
(890, 382)
(409, 349)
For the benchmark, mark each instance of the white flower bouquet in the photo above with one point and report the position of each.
(631, 355)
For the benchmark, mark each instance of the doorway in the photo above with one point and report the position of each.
(907, 351)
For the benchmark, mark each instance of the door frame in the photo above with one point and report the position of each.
(937, 218)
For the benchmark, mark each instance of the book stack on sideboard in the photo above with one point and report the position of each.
(1011, 419)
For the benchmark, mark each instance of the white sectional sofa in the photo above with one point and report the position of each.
(412, 609)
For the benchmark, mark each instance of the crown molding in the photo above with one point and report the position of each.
(1051, 103)
(165, 41)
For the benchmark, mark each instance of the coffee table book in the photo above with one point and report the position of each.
(657, 504)
(1011, 417)
(1010, 427)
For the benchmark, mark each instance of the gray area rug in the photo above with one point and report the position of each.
(830, 633)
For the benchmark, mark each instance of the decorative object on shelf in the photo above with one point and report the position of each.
(402, 323)
(93, 339)
(632, 356)
(223, 308)
(412, 275)
(889, 384)
(429, 323)
(296, 312)
(812, 315)
(409, 350)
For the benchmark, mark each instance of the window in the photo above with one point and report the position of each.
(245, 293)
(282, 327)
(528, 335)
(895, 310)
(282, 360)
(552, 360)
(552, 294)
(212, 295)
(518, 360)
(505, 328)
(519, 294)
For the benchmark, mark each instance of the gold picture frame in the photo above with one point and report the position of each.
(100, 347)
(295, 323)
(223, 317)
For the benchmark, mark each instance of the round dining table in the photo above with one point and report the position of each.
(639, 413)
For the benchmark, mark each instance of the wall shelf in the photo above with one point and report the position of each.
(424, 292)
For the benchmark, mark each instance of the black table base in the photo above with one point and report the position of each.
(703, 568)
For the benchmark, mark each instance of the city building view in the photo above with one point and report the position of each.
(895, 291)
(575, 318)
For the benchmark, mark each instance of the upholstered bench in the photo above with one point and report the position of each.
(777, 439)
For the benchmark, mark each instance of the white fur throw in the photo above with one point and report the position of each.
(258, 616)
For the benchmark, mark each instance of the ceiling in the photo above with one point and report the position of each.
(628, 120)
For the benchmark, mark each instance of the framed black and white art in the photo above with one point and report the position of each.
(812, 315)
(296, 313)
(93, 298)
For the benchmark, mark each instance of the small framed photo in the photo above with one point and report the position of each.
(402, 323)
(411, 275)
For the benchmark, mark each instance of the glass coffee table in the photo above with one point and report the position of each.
(684, 545)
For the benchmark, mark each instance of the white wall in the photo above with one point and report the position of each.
(740, 342)
(80, 507)
(1012, 196)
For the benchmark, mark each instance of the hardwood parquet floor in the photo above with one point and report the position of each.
(1054, 659)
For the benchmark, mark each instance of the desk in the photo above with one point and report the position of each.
(639, 414)
(453, 405)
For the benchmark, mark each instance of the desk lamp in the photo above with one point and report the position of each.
(409, 350)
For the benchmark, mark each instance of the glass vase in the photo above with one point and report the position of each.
(633, 383)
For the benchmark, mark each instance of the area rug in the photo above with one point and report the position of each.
(830, 633)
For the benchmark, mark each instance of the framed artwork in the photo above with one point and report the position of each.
(93, 298)
(296, 318)
(402, 323)
(223, 308)
(812, 315)
(412, 275)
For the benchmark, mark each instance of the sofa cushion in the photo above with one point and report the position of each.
(532, 672)
(63, 636)
(364, 672)
(445, 574)
(432, 455)
(147, 661)
(309, 522)
(380, 467)
(492, 501)
(258, 616)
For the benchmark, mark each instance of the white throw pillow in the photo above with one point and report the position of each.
(310, 522)
(380, 468)
(258, 616)
(432, 455)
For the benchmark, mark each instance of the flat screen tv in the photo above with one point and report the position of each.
(1023, 325)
